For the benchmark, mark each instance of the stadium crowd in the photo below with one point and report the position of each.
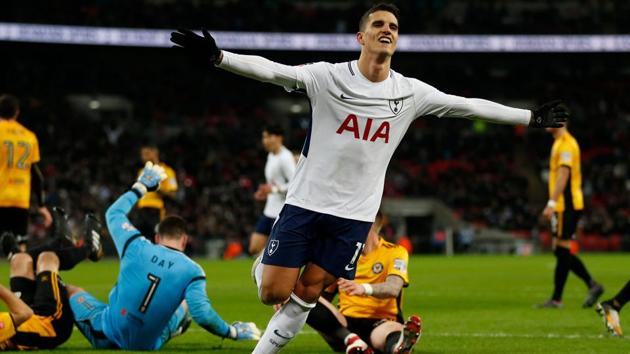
(208, 130)
(418, 16)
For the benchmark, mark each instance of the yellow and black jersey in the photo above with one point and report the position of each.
(566, 152)
(154, 199)
(373, 268)
(49, 327)
(19, 149)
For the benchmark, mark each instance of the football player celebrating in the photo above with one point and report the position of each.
(361, 111)
(370, 307)
(146, 306)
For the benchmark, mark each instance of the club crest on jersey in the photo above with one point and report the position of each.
(377, 268)
(396, 105)
(273, 247)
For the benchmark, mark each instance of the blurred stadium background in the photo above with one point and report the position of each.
(453, 186)
(480, 186)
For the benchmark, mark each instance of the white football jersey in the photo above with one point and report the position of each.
(355, 128)
(279, 171)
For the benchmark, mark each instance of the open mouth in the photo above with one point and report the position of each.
(385, 40)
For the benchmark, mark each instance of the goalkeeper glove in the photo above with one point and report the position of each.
(199, 47)
(550, 115)
(244, 331)
(150, 178)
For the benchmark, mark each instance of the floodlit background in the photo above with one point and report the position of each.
(97, 79)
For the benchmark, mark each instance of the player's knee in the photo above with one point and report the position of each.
(270, 295)
(310, 292)
(71, 289)
(21, 265)
(47, 261)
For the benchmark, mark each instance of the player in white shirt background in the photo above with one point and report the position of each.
(279, 171)
(360, 111)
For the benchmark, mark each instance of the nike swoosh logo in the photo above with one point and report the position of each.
(275, 331)
(348, 268)
(344, 97)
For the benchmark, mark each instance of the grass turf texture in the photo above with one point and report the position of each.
(469, 304)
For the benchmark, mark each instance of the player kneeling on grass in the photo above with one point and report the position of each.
(370, 306)
(146, 306)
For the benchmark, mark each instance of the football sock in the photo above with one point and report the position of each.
(391, 340)
(579, 269)
(283, 326)
(68, 256)
(622, 297)
(71, 256)
(258, 272)
(324, 321)
(563, 264)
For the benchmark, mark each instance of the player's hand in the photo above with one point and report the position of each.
(350, 287)
(244, 331)
(262, 192)
(550, 115)
(199, 47)
(548, 212)
(45, 213)
(150, 178)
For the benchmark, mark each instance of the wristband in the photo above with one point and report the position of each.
(232, 333)
(368, 289)
(140, 188)
(274, 189)
(551, 204)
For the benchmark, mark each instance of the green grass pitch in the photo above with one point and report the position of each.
(469, 304)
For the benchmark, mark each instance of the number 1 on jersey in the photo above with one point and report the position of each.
(155, 281)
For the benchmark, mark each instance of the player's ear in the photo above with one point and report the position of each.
(360, 38)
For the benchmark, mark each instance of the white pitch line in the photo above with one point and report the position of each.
(486, 335)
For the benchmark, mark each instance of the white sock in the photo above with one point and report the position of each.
(284, 325)
(258, 275)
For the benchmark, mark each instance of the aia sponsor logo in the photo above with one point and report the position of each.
(366, 131)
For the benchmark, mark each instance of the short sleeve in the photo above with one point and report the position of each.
(35, 150)
(170, 183)
(399, 261)
(566, 155)
(312, 77)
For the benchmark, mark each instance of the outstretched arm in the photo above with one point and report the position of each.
(251, 66)
(435, 102)
(20, 311)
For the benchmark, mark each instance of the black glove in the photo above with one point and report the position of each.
(200, 47)
(550, 115)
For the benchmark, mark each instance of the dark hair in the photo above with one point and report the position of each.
(274, 129)
(9, 106)
(378, 7)
(173, 227)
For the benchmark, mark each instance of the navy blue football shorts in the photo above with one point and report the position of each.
(300, 236)
(264, 224)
